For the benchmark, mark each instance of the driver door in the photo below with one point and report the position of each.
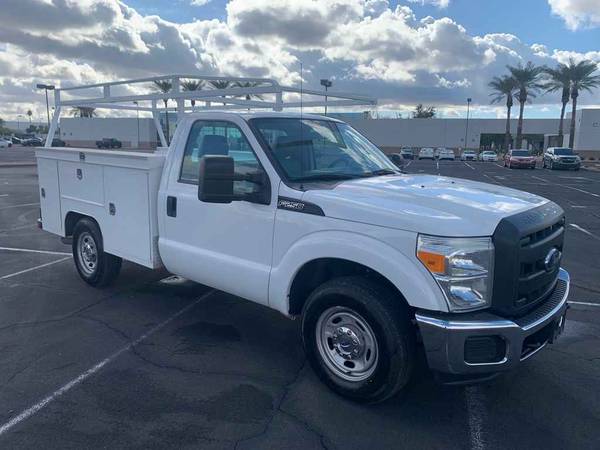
(226, 246)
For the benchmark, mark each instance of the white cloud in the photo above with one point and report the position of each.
(577, 13)
(437, 3)
(199, 2)
(365, 45)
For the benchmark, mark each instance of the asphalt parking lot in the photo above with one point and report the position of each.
(152, 362)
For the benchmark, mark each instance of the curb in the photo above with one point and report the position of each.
(18, 164)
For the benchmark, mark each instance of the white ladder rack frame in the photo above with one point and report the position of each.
(230, 98)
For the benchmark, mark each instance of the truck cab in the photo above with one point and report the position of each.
(303, 214)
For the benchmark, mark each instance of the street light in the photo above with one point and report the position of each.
(19, 121)
(46, 87)
(138, 122)
(327, 84)
(469, 100)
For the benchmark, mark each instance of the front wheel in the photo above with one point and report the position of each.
(359, 339)
(95, 267)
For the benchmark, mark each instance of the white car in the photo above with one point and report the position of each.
(445, 153)
(426, 153)
(488, 156)
(304, 215)
(5, 143)
(468, 155)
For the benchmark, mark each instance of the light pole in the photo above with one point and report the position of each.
(327, 84)
(46, 87)
(138, 123)
(19, 121)
(467, 126)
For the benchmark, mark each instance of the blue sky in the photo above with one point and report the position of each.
(436, 52)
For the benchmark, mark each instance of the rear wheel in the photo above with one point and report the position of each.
(358, 338)
(95, 267)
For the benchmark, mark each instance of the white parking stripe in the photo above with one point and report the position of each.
(28, 250)
(499, 165)
(3, 195)
(19, 206)
(584, 303)
(91, 371)
(538, 178)
(33, 268)
(583, 230)
(409, 163)
(580, 190)
(469, 165)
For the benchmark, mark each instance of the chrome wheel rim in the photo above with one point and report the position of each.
(347, 343)
(88, 253)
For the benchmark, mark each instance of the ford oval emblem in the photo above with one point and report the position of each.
(552, 259)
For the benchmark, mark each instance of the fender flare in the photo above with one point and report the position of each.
(412, 279)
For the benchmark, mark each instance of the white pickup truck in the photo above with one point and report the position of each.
(305, 215)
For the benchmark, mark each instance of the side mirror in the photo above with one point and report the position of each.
(215, 181)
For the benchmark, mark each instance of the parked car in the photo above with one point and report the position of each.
(33, 142)
(5, 143)
(397, 159)
(16, 140)
(426, 153)
(332, 234)
(468, 155)
(517, 158)
(108, 143)
(561, 158)
(407, 153)
(56, 142)
(488, 156)
(445, 153)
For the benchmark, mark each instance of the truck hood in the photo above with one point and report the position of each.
(423, 203)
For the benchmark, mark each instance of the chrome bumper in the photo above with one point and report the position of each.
(444, 335)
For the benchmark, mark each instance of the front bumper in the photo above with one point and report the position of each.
(566, 165)
(447, 338)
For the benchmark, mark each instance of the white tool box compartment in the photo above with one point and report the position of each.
(118, 189)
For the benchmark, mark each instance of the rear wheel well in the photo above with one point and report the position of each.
(71, 220)
(316, 272)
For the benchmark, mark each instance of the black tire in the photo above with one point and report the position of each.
(388, 318)
(104, 268)
(551, 165)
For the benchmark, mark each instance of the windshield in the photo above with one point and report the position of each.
(520, 153)
(313, 149)
(488, 153)
(563, 151)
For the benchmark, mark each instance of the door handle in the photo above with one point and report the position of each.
(171, 206)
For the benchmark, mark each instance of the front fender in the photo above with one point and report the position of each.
(404, 272)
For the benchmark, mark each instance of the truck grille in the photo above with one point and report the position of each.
(522, 243)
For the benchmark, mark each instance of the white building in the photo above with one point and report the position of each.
(132, 132)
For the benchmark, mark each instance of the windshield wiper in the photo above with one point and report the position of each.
(327, 177)
(379, 172)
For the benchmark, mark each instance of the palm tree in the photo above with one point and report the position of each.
(221, 84)
(29, 114)
(192, 85)
(559, 80)
(83, 111)
(165, 87)
(504, 88)
(582, 79)
(249, 84)
(527, 79)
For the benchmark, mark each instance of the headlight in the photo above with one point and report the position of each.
(462, 267)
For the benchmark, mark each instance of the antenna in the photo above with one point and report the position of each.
(301, 90)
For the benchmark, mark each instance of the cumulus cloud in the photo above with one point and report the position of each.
(437, 3)
(577, 13)
(367, 46)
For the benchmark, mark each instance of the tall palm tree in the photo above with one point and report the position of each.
(221, 84)
(582, 79)
(165, 87)
(192, 85)
(559, 79)
(249, 84)
(527, 78)
(83, 111)
(29, 114)
(504, 88)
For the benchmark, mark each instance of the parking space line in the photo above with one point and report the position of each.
(584, 303)
(477, 413)
(34, 268)
(3, 195)
(580, 190)
(538, 178)
(502, 167)
(409, 163)
(19, 206)
(29, 250)
(91, 371)
(469, 165)
(583, 230)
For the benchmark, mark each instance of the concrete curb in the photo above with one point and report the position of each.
(18, 164)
